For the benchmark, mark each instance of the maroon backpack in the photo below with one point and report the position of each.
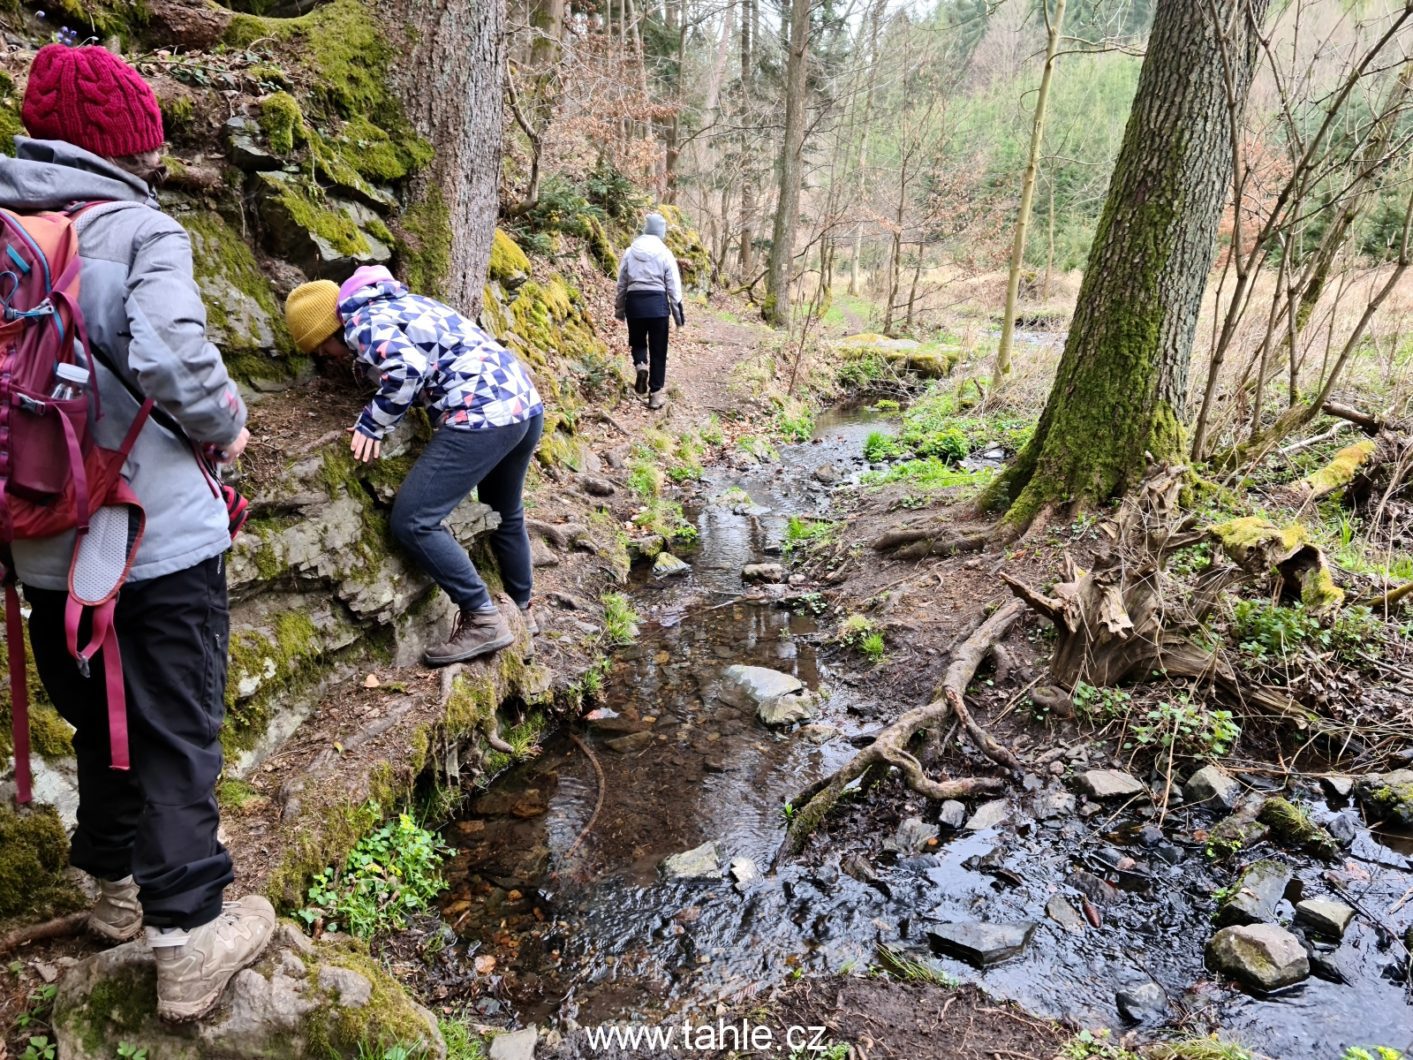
(53, 476)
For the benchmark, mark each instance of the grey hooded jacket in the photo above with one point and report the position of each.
(648, 265)
(145, 317)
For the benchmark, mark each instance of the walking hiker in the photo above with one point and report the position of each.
(148, 833)
(649, 296)
(490, 419)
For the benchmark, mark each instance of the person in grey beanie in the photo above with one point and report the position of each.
(649, 297)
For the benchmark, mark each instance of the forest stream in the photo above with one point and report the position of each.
(584, 928)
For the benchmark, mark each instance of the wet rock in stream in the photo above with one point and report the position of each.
(1144, 1004)
(989, 815)
(1323, 916)
(699, 863)
(666, 565)
(779, 698)
(979, 943)
(952, 815)
(1066, 915)
(1254, 897)
(1263, 956)
(1388, 794)
(763, 572)
(913, 834)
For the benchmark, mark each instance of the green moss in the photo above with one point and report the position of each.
(40, 708)
(106, 17)
(10, 124)
(124, 1001)
(1291, 826)
(424, 252)
(600, 248)
(389, 1018)
(282, 121)
(235, 795)
(50, 736)
(342, 43)
(306, 209)
(262, 663)
(508, 262)
(1340, 471)
(178, 116)
(34, 852)
(1394, 800)
(374, 154)
(223, 259)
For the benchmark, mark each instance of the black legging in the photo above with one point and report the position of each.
(648, 335)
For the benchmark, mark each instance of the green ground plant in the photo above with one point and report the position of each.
(901, 967)
(1267, 632)
(1095, 1045)
(620, 621)
(1186, 725)
(803, 533)
(390, 874)
(861, 634)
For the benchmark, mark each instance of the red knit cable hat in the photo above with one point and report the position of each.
(90, 98)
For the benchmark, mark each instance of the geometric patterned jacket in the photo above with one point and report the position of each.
(418, 349)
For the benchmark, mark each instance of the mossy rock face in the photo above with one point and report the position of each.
(298, 1002)
(243, 315)
(327, 238)
(685, 242)
(509, 265)
(34, 854)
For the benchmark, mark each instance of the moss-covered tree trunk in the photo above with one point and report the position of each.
(776, 309)
(1121, 385)
(450, 83)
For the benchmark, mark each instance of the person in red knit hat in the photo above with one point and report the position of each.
(148, 835)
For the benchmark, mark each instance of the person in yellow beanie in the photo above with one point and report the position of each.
(489, 419)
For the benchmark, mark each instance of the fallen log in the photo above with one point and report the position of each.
(889, 748)
(921, 542)
(1370, 425)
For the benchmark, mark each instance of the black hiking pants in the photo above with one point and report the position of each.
(647, 334)
(156, 822)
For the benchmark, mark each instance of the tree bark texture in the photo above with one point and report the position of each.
(1121, 384)
(776, 309)
(450, 84)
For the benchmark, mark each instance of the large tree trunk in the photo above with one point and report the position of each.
(1120, 389)
(748, 192)
(451, 85)
(776, 309)
(1053, 22)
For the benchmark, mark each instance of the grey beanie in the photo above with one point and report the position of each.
(655, 225)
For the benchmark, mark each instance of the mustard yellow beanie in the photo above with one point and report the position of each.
(311, 311)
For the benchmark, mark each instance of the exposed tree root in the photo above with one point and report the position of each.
(889, 748)
(1126, 619)
(920, 542)
(561, 536)
(59, 928)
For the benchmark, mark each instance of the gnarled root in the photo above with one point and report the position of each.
(58, 928)
(889, 748)
(920, 542)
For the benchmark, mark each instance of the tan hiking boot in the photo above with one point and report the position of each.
(117, 915)
(475, 633)
(192, 974)
(528, 614)
(657, 399)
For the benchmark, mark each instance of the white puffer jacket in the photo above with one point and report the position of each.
(647, 265)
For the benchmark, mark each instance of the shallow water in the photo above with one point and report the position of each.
(590, 933)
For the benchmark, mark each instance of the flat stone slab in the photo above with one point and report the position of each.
(750, 686)
(1061, 911)
(978, 943)
(1254, 897)
(1212, 784)
(699, 863)
(989, 815)
(1264, 956)
(913, 835)
(1111, 784)
(1146, 1003)
(1324, 916)
(515, 1045)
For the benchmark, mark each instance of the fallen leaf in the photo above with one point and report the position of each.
(485, 964)
(371, 681)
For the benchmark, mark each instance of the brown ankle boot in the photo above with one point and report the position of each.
(475, 633)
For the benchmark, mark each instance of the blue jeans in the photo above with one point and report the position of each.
(492, 461)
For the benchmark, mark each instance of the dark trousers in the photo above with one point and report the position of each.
(156, 822)
(492, 461)
(648, 335)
